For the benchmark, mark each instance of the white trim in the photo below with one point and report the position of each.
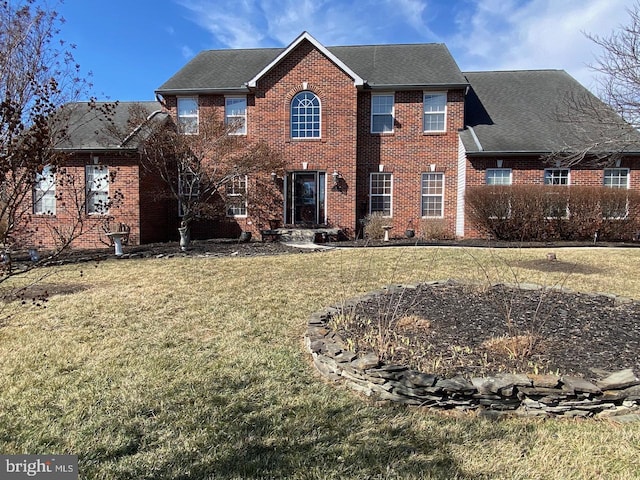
(424, 114)
(393, 112)
(240, 132)
(486, 176)
(422, 194)
(390, 194)
(461, 188)
(475, 139)
(358, 82)
(544, 177)
(197, 115)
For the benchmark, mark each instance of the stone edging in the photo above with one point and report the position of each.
(617, 395)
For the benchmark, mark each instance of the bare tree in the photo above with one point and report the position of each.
(210, 171)
(38, 75)
(600, 137)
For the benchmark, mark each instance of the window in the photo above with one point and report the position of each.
(556, 176)
(188, 190)
(498, 176)
(380, 193)
(188, 115)
(435, 108)
(237, 197)
(432, 195)
(616, 177)
(235, 114)
(556, 201)
(44, 192)
(97, 186)
(382, 113)
(615, 204)
(305, 116)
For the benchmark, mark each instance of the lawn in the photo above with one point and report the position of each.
(193, 368)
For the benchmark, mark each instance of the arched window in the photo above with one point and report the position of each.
(305, 116)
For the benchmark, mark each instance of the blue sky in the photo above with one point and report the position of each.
(132, 47)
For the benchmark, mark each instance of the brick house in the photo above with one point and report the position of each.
(395, 129)
(100, 184)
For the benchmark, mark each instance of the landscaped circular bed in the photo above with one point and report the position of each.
(508, 348)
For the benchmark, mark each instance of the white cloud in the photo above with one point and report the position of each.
(535, 34)
(187, 52)
(481, 34)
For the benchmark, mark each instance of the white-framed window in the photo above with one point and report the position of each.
(433, 195)
(188, 190)
(188, 115)
(382, 111)
(306, 115)
(616, 177)
(44, 192)
(435, 112)
(235, 114)
(556, 176)
(498, 176)
(97, 189)
(615, 206)
(557, 204)
(380, 193)
(237, 197)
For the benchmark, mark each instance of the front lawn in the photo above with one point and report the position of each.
(193, 368)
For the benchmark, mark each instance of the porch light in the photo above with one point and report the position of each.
(274, 177)
(336, 178)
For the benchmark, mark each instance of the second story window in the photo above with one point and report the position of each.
(305, 115)
(435, 112)
(188, 115)
(235, 114)
(382, 113)
(44, 192)
(498, 176)
(97, 188)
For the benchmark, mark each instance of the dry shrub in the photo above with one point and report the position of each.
(413, 322)
(514, 346)
(373, 224)
(435, 229)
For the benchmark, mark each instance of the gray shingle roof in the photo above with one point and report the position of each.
(103, 126)
(531, 112)
(418, 65)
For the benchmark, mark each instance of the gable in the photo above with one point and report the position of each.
(369, 66)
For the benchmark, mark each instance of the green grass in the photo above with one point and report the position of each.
(195, 368)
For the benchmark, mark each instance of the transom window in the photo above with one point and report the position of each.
(305, 116)
(237, 197)
(380, 193)
(97, 188)
(498, 176)
(433, 195)
(44, 192)
(235, 114)
(435, 112)
(616, 177)
(382, 113)
(556, 176)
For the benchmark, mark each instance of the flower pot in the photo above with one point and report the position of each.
(409, 233)
(245, 237)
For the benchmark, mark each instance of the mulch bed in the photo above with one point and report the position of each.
(452, 330)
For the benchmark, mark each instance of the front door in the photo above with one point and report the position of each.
(305, 198)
